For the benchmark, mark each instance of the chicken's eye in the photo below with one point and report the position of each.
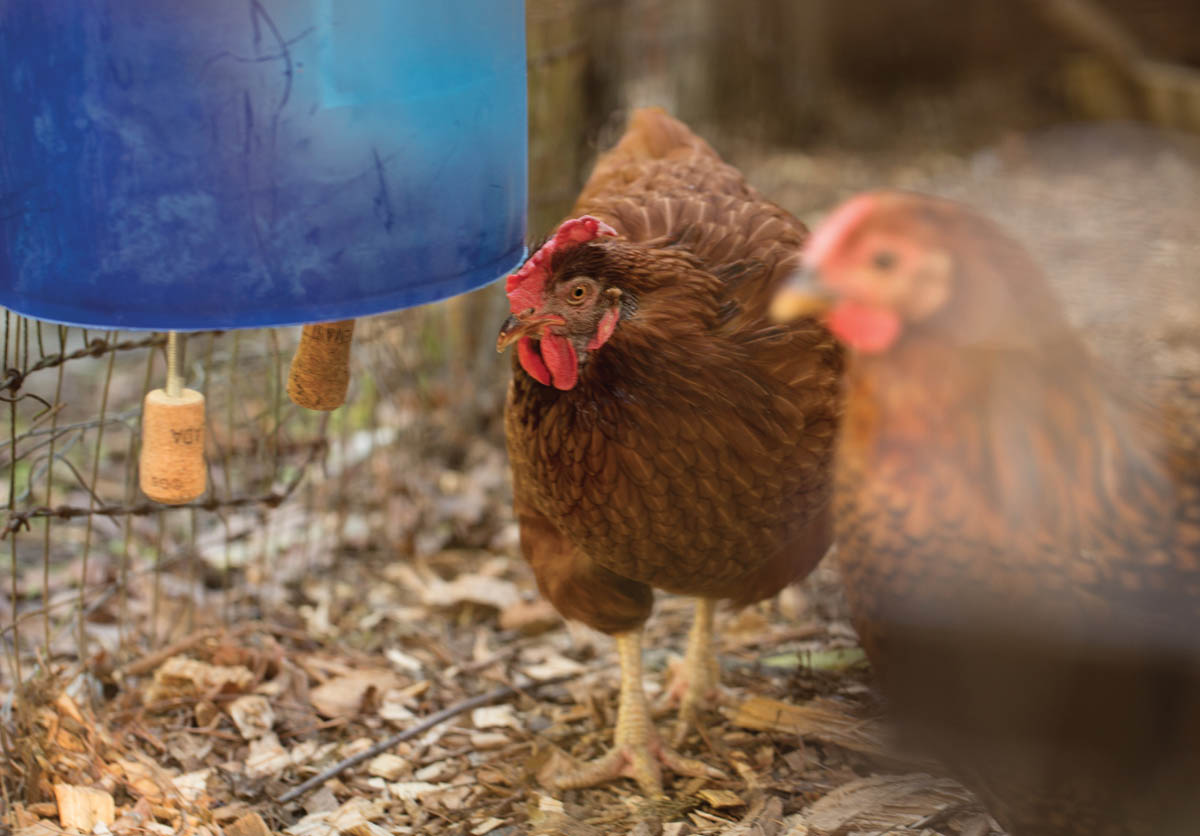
(577, 293)
(883, 259)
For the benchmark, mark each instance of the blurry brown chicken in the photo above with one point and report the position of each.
(1018, 531)
(662, 433)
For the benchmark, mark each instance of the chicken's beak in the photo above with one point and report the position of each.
(525, 324)
(801, 295)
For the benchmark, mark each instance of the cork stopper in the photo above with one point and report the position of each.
(172, 464)
(320, 372)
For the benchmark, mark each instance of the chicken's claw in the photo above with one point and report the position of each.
(638, 751)
(641, 761)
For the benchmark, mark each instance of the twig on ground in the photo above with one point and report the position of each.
(429, 722)
(149, 662)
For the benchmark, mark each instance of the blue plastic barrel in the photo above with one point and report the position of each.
(189, 164)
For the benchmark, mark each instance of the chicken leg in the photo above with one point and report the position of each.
(694, 683)
(638, 752)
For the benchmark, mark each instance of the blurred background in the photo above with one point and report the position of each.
(379, 537)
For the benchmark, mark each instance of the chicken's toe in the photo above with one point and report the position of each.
(642, 761)
(638, 751)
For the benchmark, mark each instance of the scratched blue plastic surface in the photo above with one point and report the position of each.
(188, 164)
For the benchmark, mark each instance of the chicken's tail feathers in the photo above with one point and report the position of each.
(651, 134)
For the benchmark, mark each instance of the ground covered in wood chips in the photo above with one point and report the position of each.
(287, 669)
(341, 643)
(210, 732)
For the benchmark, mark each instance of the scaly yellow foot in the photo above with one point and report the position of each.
(638, 752)
(695, 684)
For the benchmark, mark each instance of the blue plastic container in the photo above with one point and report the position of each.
(189, 164)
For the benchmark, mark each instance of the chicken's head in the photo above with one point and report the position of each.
(873, 267)
(559, 311)
(888, 264)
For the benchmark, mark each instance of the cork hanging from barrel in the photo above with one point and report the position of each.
(172, 469)
(320, 372)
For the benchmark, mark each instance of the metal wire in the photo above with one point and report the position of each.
(68, 471)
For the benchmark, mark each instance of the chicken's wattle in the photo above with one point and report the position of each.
(554, 364)
(870, 329)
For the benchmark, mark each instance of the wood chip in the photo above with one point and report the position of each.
(549, 804)
(721, 798)
(82, 808)
(354, 817)
(387, 766)
(143, 779)
(355, 812)
(192, 785)
(366, 829)
(489, 740)
(253, 716)
(267, 757)
(820, 719)
(414, 790)
(206, 712)
(553, 667)
(66, 707)
(495, 716)
(435, 771)
(23, 816)
(486, 826)
(41, 828)
(402, 660)
(251, 824)
(233, 810)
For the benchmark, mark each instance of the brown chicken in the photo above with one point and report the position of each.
(1019, 533)
(662, 433)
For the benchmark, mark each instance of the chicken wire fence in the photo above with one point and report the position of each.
(95, 568)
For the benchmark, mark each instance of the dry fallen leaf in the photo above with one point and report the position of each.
(181, 676)
(475, 588)
(343, 696)
(530, 617)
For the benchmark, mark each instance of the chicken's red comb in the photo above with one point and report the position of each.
(829, 235)
(524, 287)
